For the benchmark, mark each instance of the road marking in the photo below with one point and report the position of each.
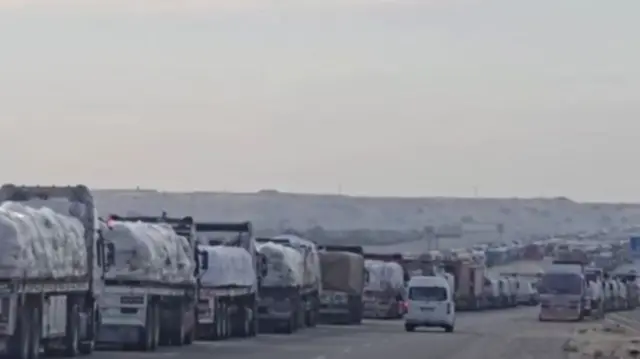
(347, 350)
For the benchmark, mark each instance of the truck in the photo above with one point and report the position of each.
(142, 311)
(343, 280)
(229, 277)
(291, 288)
(469, 279)
(385, 293)
(563, 292)
(56, 312)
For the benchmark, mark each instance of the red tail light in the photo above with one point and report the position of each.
(404, 306)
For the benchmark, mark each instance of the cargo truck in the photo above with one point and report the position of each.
(343, 279)
(59, 314)
(146, 313)
(291, 288)
(229, 277)
(469, 279)
(384, 293)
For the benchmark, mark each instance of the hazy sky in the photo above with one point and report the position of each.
(516, 98)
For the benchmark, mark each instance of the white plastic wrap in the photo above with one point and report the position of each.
(383, 276)
(145, 251)
(284, 265)
(311, 259)
(228, 266)
(39, 243)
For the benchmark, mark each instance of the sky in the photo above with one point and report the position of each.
(368, 97)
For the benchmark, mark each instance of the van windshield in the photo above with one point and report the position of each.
(428, 294)
(560, 283)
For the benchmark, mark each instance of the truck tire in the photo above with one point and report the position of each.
(191, 333)
(72, 335)
(20, 342)
(217, 322)
(88, 345)
(145, 336)
(177, 333)
(155, 328)
(36, 327)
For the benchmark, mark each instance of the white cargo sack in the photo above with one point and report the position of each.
(311, 275)
(284, 265)
(39, 243)
(383, 276)
(228, 266)
(146, 251)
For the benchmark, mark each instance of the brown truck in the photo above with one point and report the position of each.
(343, 280)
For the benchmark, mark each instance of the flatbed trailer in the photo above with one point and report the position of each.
(59, 315)
(230, 311)
(148, 314)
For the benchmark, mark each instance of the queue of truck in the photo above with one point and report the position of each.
(150, 281)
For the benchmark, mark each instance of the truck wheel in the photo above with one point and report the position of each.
(34, 351)
(178, 332)
(20, 342)
(229, 327)
(87, 346)
(72, 336)
(145, 334)
(191, 333)
(155, 328)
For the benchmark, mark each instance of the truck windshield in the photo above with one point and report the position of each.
(428, 294)
(560, 283)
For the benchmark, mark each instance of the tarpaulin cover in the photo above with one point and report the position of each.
(228, 266)
(148, 251)
(383, 276)
(285, 266)
(40, 243)
(342, 271)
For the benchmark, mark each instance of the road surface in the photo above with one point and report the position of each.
(508, 334)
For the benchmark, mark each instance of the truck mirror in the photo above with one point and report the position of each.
(263, 265)
(204, 260)
(110, 255)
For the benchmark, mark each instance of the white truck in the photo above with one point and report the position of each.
(563, 292)
(50, 271)
(291, 288)
(150, 288)
(229, 276)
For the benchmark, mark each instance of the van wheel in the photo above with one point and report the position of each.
(409, 327)
(448, 328)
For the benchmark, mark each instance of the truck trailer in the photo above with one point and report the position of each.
(58, 313)
(229, 277)
(291, 287)
(343, 279)
(144, 312)
(384, 293)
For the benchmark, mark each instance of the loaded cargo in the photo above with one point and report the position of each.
(343, 279)
(150, 287)
(229, 278)
(384, 291)
(51, 262)
(291, 287)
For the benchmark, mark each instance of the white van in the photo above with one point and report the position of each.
(430, 303)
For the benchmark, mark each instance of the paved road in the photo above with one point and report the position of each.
(508, 334)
